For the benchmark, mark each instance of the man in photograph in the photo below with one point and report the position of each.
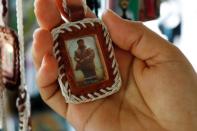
(85, 62)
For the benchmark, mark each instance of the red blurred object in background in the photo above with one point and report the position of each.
(151, 9)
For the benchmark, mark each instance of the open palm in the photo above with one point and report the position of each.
(159, 91)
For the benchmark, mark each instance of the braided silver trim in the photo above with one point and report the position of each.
(66, 92)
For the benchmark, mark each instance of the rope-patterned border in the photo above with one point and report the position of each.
(70, 98)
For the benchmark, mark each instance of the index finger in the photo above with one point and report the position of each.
(47, 13)
(47, 17)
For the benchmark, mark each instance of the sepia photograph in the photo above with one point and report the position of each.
(86, 60)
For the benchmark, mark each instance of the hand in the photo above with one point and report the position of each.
(159, 91)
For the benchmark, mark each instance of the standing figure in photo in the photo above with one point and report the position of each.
(85, 62)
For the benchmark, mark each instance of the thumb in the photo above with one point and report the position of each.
(138, 39)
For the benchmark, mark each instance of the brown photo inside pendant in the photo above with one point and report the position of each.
(86, 60)
(9, 58)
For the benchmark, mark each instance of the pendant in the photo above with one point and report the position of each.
(88, 69)
(83, 48)
(87, 66)
(9, 50)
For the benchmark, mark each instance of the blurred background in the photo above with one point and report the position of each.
(174, 20)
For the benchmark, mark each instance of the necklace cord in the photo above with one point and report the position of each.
(23, 100)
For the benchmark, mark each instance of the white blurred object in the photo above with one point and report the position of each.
(189, 30)
(187, 11)
(103, 7)
(170, 13)
(153, 25)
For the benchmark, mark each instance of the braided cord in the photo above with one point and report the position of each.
(3, 22)
(2, 102)
(20, 27)
(23, 100)
(1, 97)
(1, 109)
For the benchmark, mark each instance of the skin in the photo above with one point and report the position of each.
(159, 91)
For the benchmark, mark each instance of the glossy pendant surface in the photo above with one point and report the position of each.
(87, 66)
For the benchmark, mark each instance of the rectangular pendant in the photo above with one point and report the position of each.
(88, 69)
(9, 58)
